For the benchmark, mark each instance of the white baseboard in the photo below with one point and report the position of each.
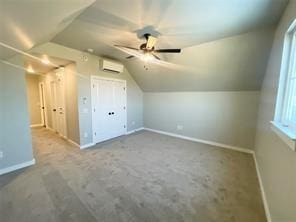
(17, 167)
(92, 144)
(135, 130)
(263, 194)
(87, 146)
(220, 145)
(240, 149)
(36, 125)
(47, 127)
(72, 142)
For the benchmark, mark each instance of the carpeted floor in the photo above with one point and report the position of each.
(136, 178)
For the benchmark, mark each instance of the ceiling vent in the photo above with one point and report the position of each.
(111, 66)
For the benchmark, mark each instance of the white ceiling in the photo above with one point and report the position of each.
(41, 68)
(27, 23)
(187, 24)
(178, 23)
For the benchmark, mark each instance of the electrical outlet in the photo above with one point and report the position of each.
(1, 154)
(85, 135)
(179, 127)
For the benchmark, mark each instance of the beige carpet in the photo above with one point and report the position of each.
(141, 177)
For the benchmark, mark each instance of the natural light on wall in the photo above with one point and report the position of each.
(284, 123)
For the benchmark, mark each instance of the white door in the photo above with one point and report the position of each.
(118, 109)
(53, 101)
(61, 107)
(109, 109)
(42, 104)
(58, 105)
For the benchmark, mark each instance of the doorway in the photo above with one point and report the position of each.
(108, 108)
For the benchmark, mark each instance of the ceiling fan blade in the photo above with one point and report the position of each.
(167, 50)
(131, 51)
(151, 42)
(130, 57)
(127, 47)
(155, 56)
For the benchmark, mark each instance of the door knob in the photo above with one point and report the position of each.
(109, 113)
(112, 113)
(54, 110)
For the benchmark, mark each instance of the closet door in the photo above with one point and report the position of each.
(118, 109)
(61, 107)
(108, 103)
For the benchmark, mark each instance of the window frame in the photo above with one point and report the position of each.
(282, 125)
(290, 73)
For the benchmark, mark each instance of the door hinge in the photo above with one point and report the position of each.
(95, 133)
(124, 126)
(124, 107)
(124, 88)
(93, 85)
(94, 110)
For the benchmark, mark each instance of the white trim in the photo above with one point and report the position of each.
(36, 125)
(51, 129)
(135, 130)
(263, 194)
(72, 142)
(220, 145)
(17, 167)
(43, 112)
(87, 146)
(106, 78)
(284, 86)
(285, 133)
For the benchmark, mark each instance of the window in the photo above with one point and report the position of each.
(289, 102)
(285, 115)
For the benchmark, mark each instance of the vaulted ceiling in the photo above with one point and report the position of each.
(27, 23)
(225, 44)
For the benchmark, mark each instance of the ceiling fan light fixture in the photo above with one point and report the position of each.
(147, 57)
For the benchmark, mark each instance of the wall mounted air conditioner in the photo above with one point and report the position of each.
(111, 66)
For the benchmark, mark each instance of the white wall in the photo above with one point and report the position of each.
(276, 161)
(85, 70)
(15, 136)
(223, 117)
(33, 96)
(71, 96)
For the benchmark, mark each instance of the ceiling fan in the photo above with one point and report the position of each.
(146, 51)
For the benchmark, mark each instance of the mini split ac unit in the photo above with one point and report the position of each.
(111, 66)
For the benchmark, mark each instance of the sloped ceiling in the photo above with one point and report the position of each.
(236, 63)
(40, 68)
(225, 44)
(27, 23)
